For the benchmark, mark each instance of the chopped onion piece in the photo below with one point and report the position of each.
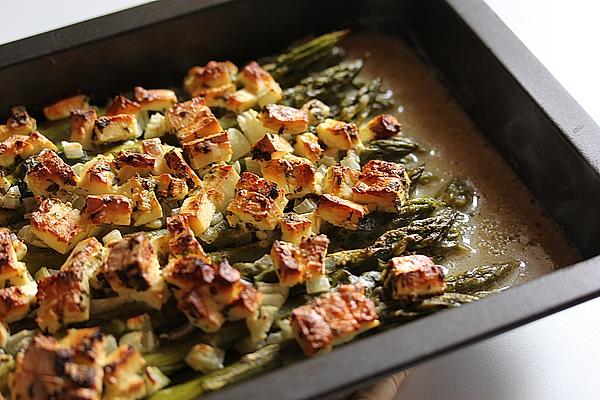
(72, 150)
(307, 206)
(239, 144)
(112, 236)
(205, 358)
(157, 126)
(317, 285)
(352, 160)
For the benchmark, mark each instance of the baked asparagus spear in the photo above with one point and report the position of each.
(358, 104)
(459, 194)
(296, 61)
(326, 85)
(417, 235)
(264, 359)
(426, 307)
(392, 149)
(480, 278)
(170, 358)
(376, 224)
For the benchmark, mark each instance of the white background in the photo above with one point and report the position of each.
(552, 359)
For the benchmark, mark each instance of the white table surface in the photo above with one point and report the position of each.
(551, 359)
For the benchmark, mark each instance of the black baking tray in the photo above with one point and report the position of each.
(547, 138)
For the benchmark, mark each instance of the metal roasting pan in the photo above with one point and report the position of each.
(551, 143)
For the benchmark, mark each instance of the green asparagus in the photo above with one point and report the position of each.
(459, 194)
(392, 149)
(326, 85)
(480, 278)
(418, 235)
(376, 224)
(359, 104)
(287, 66)
(425, 307)
(264, 359)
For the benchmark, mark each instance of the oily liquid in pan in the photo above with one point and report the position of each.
(508, 224)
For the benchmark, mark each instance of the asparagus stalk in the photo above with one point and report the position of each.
(417, 235)
(427, 306)
(392, 149)
(326, 85)
(459, 194)
(358, 104)
(377, 224)
(247, 253)
(286, 66)
(480, 278)
(170, 358)
(264, 359)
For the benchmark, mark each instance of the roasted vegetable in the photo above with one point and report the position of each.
(480, 278)
(246, 218)
(292, 64)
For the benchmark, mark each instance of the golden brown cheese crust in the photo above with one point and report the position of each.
(63, 299)
(307, 146)
(295, 227)
(129, 263)
(382, 186)
(169, 187)
(89, 345)
(258, 203)
(19, 147)
(339, 181)
(287, 260)
(9, 264)
(215, 74)
(208, 293)
(123, 374)
(82, 125)
(122, 105)
(333, 318)
(270, 147)
(58, 225)
(295, 175)
(295, 264)
(19, 122)
(182, 240)
(49, 174)
(314, 250)
(254, 78)
(207, 150)
(283, 119)
(107, 209)
(98, 176)
(132, 269)
(410, 278)
(129, 164)
(338, 134)
(239, 101)
(340, 212)
(385, 126)
(62, 108)
(260, 83)
(154, 99)
(52, 370)
(192, 120)
(15, 302)
(180, 169)
(114, 128)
